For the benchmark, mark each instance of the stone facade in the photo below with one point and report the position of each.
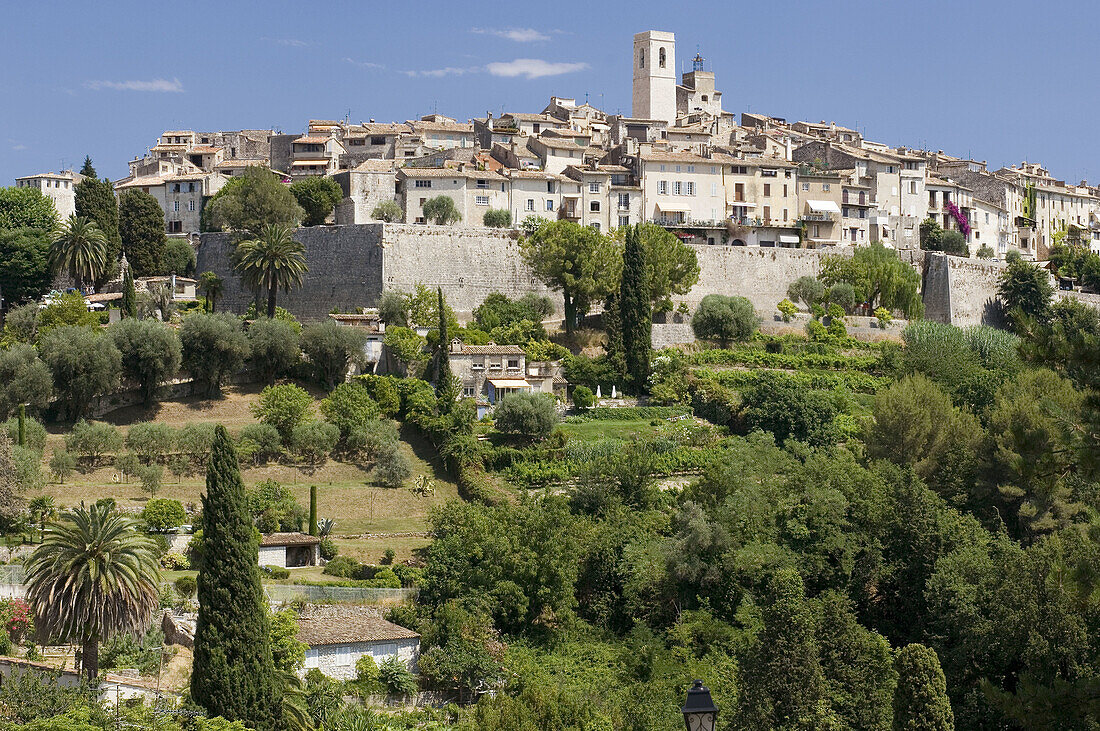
(338, 661)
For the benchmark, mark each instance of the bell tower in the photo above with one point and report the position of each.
(655, 76)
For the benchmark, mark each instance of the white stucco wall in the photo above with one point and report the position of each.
(338, 661)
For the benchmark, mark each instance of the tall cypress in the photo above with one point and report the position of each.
(128, 305)
(920, 698)
(88, 171)
(443, 365)
(613, 326)
(635, 311)
(95, 199)
(233, 674)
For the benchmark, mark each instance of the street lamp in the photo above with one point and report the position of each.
(699, 710)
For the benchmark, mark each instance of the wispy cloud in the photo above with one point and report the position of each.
(365, 64)
(160, 85)
(519, 35)
(292, 42)
(18, 147)
(447, 71)
(533, 68)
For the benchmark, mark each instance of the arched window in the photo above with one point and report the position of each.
(662, 58)
(641, 59)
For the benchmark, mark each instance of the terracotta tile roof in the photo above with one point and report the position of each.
(441, 127)
(489, 350)
(392, 128)
(558, 143)
(204, 149)
(690, 157)
(289, 539)
(311, 140)
(348, 629)
(529, 117)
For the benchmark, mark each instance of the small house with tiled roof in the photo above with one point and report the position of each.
(336, 637)
(289, 550)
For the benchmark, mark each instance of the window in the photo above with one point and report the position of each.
(662, 187)
(817, 230)
(677, 188)
(175, 187)
(677, 168)
(767, 189)
(641, 59)
(191, 205)
(890, 169)
(477, 366)
(549, 186)
(767, 213)
(483, 184)
(378, 140)
(175, 227)
(714, 189)
(767, 173)
(423, 184)
(805, 187)
(481, 200)
(190, 187)
(913, 187)
(549, 205)
(467, 392)
(176, 206)
(713, 170)
(739, 170)
(535, 128)
(513, 364)
(530, 204)
(661, 57)
(661, 167)
(594, 206)
(593, 187)
(691, 168)
(624, 200)
(624, 221)
(845, 212)
(343, 655)
(689, 188)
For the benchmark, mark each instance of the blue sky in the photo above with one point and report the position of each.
(978, 78)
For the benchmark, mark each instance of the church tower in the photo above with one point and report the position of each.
(655, 76)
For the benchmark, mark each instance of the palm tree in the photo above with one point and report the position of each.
(272, 261)
(43, 510)
(212, 286)
(80, 250)
(95, 575)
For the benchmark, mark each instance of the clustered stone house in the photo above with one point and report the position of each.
(337, 636)
(679, 160)
(490, 372)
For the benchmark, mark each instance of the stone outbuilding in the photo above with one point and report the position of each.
(336, 641)
(289, 550)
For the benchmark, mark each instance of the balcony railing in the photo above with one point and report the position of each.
(688, 222)
(818, 216)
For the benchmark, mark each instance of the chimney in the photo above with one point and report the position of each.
(489, 120)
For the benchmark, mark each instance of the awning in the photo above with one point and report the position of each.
(310, 163)
(509, 383)
(673, 208)
(740, 204)
(787, 239)
(823, 206)
(570, 195)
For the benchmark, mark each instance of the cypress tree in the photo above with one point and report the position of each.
(128, 306)
(313, 510)
(88, 171)
(920, 699)
(141, 230)
(95, 199)
(233, 674)
(613, 326)
(443, 365)
(635, 311)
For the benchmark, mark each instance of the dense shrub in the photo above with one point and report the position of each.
(194, 441)
(349, 407)
(24, 378)
(790, 412)
(151, 440)
(371, 439)
(214, 347)
(391, 467)
(725, 319)
(261, 442)
(163, 514)
(284, 407)
(34, 434)
(583, 398)
(92, 440)
(530, 415)
(313, 441)
(332, 349)
(274, 348)
(84, 363)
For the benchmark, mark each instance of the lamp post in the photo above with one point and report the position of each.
(700, 713)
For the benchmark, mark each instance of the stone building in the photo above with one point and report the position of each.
(473, 191)
(58, 187)
(488, 372)
(289, 550)
(371, 182)
(339, 636)
(654, 95)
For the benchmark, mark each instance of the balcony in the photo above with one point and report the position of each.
(687, 222)
(818, 217)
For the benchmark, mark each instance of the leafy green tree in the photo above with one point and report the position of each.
(80, 250)
(94, 576)
(443, 359)
(931, 235)
(441, 210)
(843, 295)
(128, 305)
(68, 309)
(858, 667)
(24, 379)
(212, 287)
(583, 398)
(782, 683)
(318, 197)
(314, 440)
(497, 218)
(214, 346)
(162, 514)
(151, 353)
(287, 652)
(497, 311)
(1025, 291)
(96, 202)
(920, 702)
(84, 364)
(233, 673)
(573, 259)
(878, 278)
(93, 440)
(284, 407)
(395, 675)
(151, 440)
(332, 349)
(789, 411)
(806, 289)
(179, 258)
(530, 415)
(985, 251)
(21, 324)
(671, 265)
(141, 228)
(26, 208)
(24, 264)
(274, 345)
(388, 211)
(349, 407)
(391, 466)
(724, 319)
(271, 262)
(62, 464)
(636, 311)
(250, 201)
(954, 243)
